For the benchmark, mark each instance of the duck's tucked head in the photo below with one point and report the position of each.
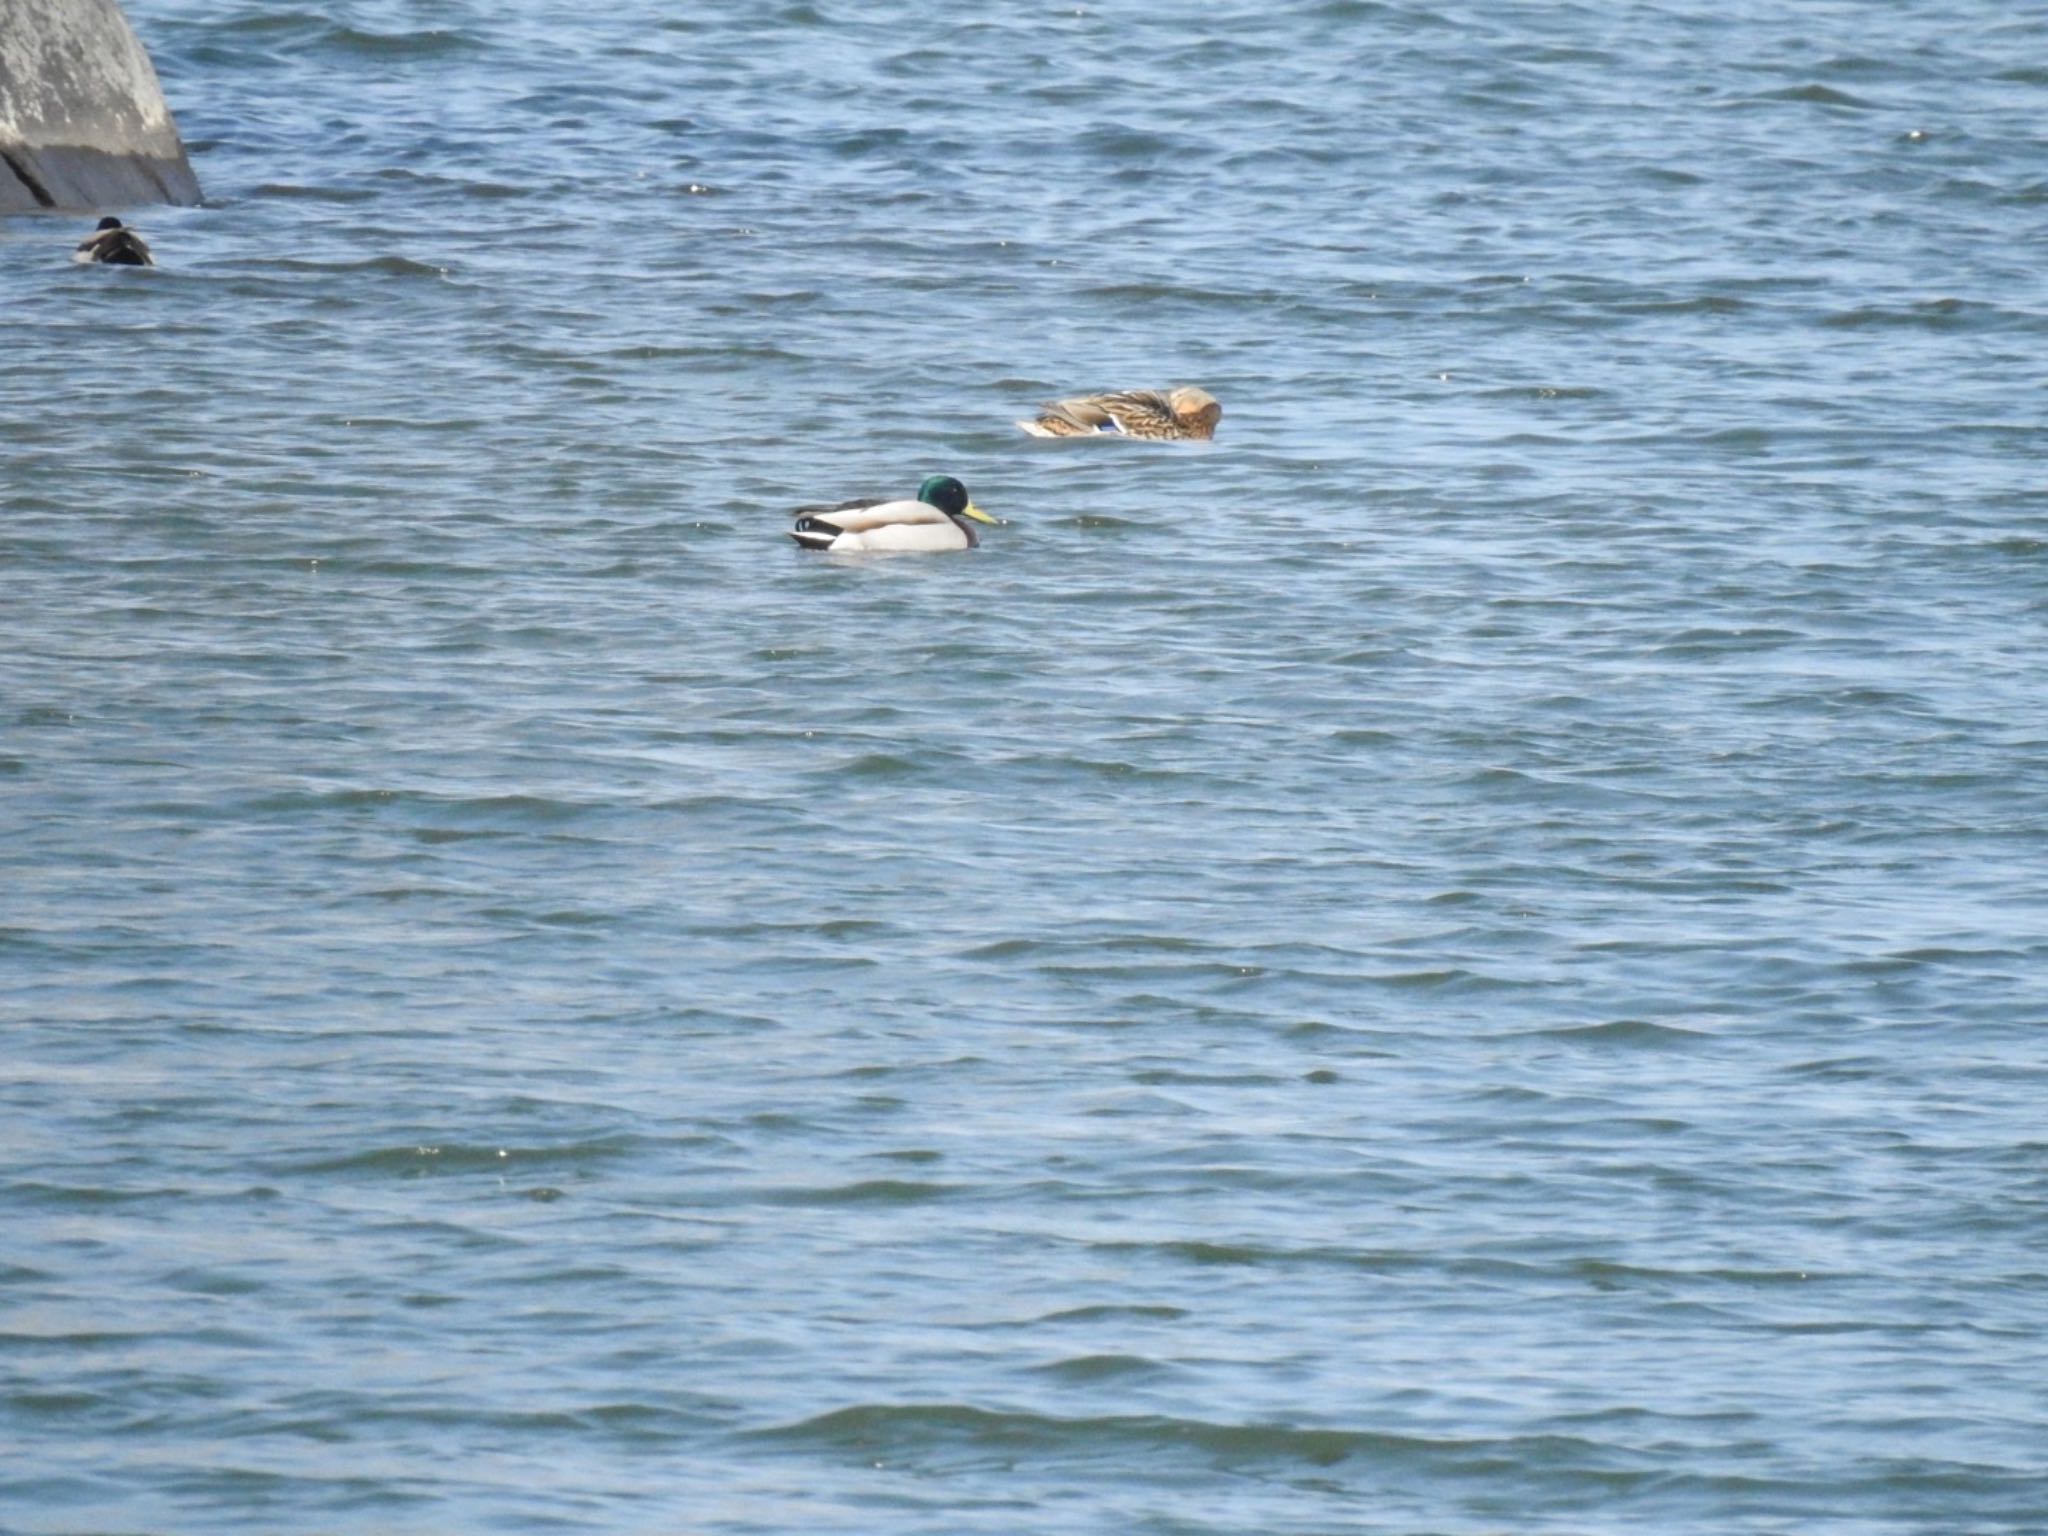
(1197, 408)
(950, 497)
(109, 222)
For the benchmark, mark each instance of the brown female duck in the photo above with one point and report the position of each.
(1175, 414)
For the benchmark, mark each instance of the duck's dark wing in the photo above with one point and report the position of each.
(115, 248)
(1139, 400)
(1137, 410)
(856, 505)
(816, 527)
(1072, 418)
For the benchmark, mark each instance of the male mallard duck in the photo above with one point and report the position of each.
(932, 520)
(114, 244)
(1178, 413)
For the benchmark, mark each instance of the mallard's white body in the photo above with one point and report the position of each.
(911, 523)
(888, 525)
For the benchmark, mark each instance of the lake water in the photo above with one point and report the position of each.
(1469, 958)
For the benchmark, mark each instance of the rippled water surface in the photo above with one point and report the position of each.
(1468, 958)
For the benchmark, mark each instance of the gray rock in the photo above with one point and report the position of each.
(83, 121)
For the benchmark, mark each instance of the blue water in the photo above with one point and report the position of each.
(1468, 958)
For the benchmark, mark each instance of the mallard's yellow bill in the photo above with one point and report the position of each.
(971, 510)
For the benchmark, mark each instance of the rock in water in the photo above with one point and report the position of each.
(83, 121)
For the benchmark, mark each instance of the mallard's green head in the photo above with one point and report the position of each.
(950, 497)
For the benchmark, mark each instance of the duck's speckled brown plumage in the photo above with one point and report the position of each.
(1162, 415)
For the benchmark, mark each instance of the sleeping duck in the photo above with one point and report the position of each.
(934, 519)
(1180, 413)
(114, 244)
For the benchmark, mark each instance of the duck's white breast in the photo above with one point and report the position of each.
(943, 534)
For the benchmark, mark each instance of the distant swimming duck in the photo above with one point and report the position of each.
(933, 519)
(114, 244)
(1180, 413)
